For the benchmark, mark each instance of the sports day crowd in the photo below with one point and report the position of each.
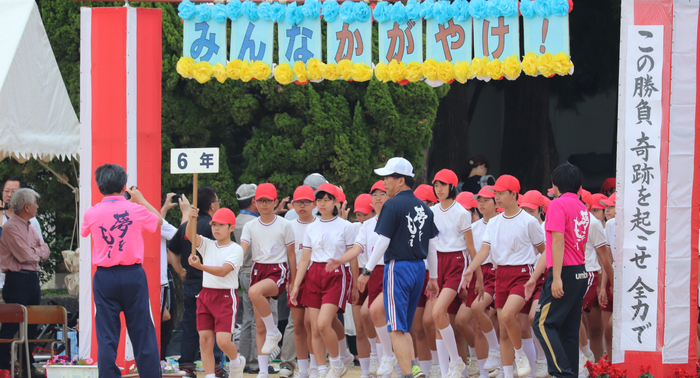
(482, 282)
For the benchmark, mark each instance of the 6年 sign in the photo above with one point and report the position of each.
(195, 161)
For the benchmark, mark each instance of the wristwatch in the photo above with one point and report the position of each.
(366, 272)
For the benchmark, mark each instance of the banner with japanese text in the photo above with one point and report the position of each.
(205, 38)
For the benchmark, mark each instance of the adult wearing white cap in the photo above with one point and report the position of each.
(406, 238)
(313, 180)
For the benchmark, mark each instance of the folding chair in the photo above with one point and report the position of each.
(49, 315)
(15, 313)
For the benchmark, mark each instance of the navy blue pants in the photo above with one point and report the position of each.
(23, 289)
(124, 289)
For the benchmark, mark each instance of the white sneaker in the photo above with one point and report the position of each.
(493, 362)
(347, 361)
(456, 369)
(299, 374)
(271, 343)
(286, 370)
(387, 365)
(494, 373)
(364, 376)
(522, 366)
(373, 364)
(500, 374)
(542, 371)
(336, 371)
(237, 372)
(435, 371)
(263, 375)
(473, 367)
(313, 372)
(581, 362)
(590, 357)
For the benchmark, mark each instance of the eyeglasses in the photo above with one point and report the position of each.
(303, 203)
(378, 195)
(265, 201)
(218, 200)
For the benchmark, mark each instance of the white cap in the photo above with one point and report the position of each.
(315, 180)
(396, 165)
(246, 191)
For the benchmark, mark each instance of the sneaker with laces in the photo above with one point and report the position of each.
(493, 362)
(387, 365)
(417, 372)
(299, 374)
(542, 371)
(286, 370)
(473, 367)
(237, 371)
(435, 371)
(373, 364)
(313, 372)
(522, 366)
(271, 343)
(348, 360)
(456, 369)
(336, 371)
(500, 374)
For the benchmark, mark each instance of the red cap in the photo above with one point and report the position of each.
(547, 201)
(266, 190)
(425, 192)
(608, 184)
(586, 196)
(224, 216)
(363, 204)
(519, 201)
(328, 188)
(446, 176)
(485, 192)
(378, 185)
(532, 199)
(341, 195)
(304, 192)
(610, 201)
(595, 201)
(466, 199)
(550, 192)
(506, 182)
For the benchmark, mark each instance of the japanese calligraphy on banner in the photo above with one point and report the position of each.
(497, 37)
(642, 187)
(252, 40)
(349, 41)
(402, 42)
(205, 39)
(299, 42)
(448, 42)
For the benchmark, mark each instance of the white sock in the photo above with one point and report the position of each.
(380, 353)
(263, 362)
(465, 372)
(586, 349)
(385, 339)
(372, 345)
(343, 347)
(529, 348)
(270, 326)
(482, 372)
(426, 366)
(520, 352)
(472, 352)
(492, 339)
(303, 366)
(235, 362)
(312, 361)
(434, 355)
(508, 371)
(335, 361)
(443, 356)
(364, 365)
(322, 370)
(538, 348)
(448, 337)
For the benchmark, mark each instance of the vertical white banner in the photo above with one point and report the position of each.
(641, 188)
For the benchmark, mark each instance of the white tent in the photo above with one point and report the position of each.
(37, 119)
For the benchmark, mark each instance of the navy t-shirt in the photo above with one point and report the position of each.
(408, 222)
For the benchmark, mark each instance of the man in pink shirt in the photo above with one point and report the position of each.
(558, 313)
(119, 283)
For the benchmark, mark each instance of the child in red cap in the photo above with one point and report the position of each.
(509, 240)
(217, 303)
(271, 241)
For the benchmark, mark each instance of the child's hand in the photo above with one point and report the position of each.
(194, 212)
(293, 296)
(194, 262)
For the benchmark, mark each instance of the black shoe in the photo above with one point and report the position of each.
(251, 370)
(271, 370)
(189, 369)
(220, 372)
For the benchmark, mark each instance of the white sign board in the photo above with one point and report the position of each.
(194, 160)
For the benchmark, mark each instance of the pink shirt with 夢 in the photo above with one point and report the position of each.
(568, 215)
(116, 226)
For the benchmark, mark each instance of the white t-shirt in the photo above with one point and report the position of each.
(299, 228)
(511, 238)
(167, 231)
(366, 239)
(610, 235)
(215, 255)
(329, 239)
(478, 230)
(596, 239)
(452, 223)
(268, 241)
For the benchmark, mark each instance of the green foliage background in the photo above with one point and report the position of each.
(266, 132)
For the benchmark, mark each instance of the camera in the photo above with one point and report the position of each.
(5, 206)
(127, 195)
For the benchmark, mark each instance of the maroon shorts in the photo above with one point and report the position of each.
(535, 295)
(488, 273)
(450, 269)
(362, 297)
(278, 273)
(540, 283)
(300, 294)
(322, 287)
(510, 280)
(590, 299)
(375, 286)
(424, 298)
(216, 310)
(608, 291)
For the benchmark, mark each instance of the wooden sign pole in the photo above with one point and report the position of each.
(193, 237)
